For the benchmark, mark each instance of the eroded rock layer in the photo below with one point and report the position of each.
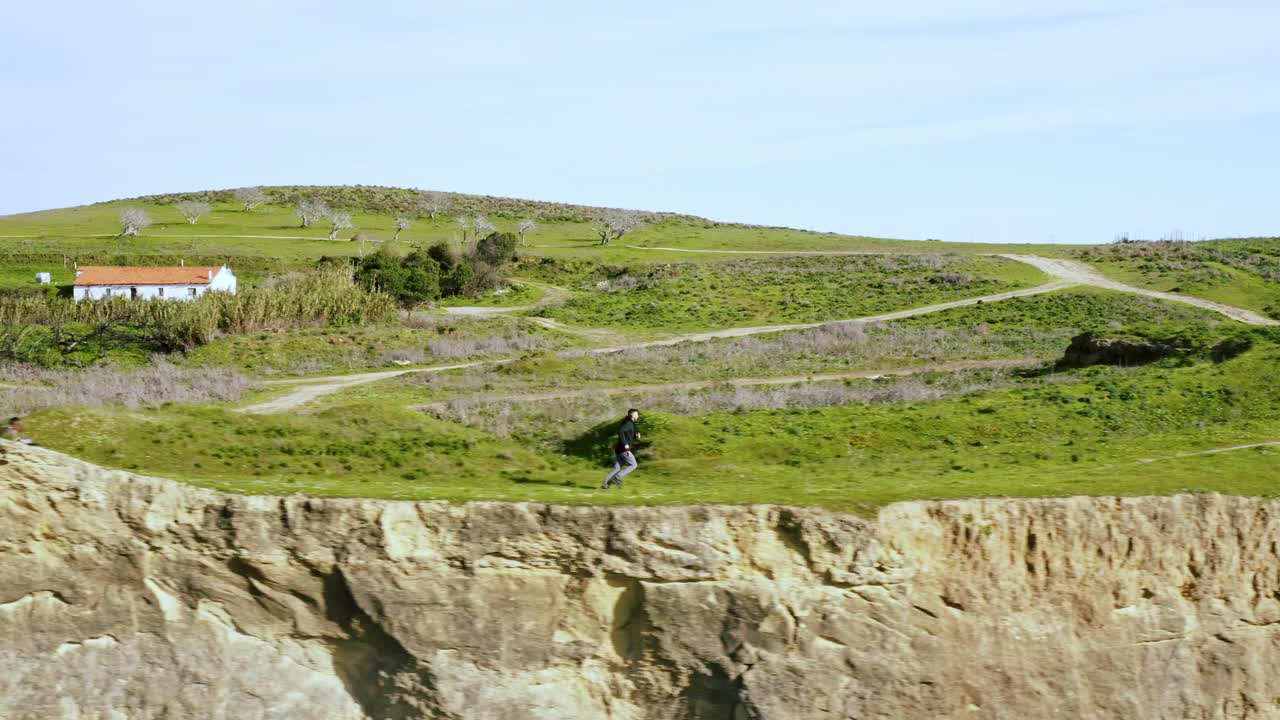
(131, 597)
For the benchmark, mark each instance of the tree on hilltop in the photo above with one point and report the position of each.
(615, 224)
(402, 223)
(431, 203)
(481, 227)
(339, 221)
(526, 226)
(310, 210)
(192, 210)
(133, 220)
(250, 197)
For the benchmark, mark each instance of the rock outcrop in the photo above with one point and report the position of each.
(124, 596)
(1088, 349)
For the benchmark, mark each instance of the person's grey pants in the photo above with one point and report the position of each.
(623, 463)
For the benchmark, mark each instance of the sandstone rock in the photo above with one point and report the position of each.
(124, 596)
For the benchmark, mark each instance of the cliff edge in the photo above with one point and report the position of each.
(123, 596)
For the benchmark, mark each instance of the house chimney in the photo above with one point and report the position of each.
(210, 272)
(182, 262)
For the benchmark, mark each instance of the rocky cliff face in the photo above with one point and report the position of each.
(131, 597)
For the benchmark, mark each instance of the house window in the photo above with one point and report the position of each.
(133, 293)
(191, 292)
(159, 292)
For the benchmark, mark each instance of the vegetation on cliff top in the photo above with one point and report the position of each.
(986, 412)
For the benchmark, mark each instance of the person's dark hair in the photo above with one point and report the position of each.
(632, 410)
(14, 419)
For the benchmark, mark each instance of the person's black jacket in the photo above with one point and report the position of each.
(626, 436)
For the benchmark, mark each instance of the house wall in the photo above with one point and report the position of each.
(223, 281)
(145, 292)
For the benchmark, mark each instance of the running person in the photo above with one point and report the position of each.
(624, 459)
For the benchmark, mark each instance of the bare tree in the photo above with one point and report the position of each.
(617, 223)
(132, 220)
(192, 210)
(338, 221)
(250, 197)
(464, 225)
(402, 223)
(481, 227)
(431, 203)
(526, 226)
(310, 210)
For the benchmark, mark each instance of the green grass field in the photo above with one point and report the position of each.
(1086, 435)
(269, 238)
(1245, 273)
(326, 351)
(533, 429)
(1039, 326)
(771, 291)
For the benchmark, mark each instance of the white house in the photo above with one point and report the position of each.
(161, 283)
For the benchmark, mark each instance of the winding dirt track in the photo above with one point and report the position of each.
(1213, 451)
(551, 295)
(314, 387)
(1067, 273)
(1078, 273)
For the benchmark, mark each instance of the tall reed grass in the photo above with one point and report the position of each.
(325, 297)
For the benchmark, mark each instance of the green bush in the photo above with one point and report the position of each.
(411, 280)
(497, 248)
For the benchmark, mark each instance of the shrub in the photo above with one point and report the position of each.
(411, 281)
(458, 280)
(439, 271)
(497, 248)
(37, 388)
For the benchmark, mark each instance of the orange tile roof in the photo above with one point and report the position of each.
(122, 275)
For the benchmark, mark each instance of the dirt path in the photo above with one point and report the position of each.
(1066, 273)
(1214, 451)
(317, 387)
(1079, 273)
(598, 335)
(895, 315)
(551, 295)
(314, 387)
(749, 382)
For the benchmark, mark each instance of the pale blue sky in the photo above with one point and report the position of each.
(991, 120)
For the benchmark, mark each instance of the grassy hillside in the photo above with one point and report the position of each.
(966, 401)
(756, 291)
(1087, 432)
(1241, 272)
(269, 238)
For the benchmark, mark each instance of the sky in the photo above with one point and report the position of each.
(988, 120)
